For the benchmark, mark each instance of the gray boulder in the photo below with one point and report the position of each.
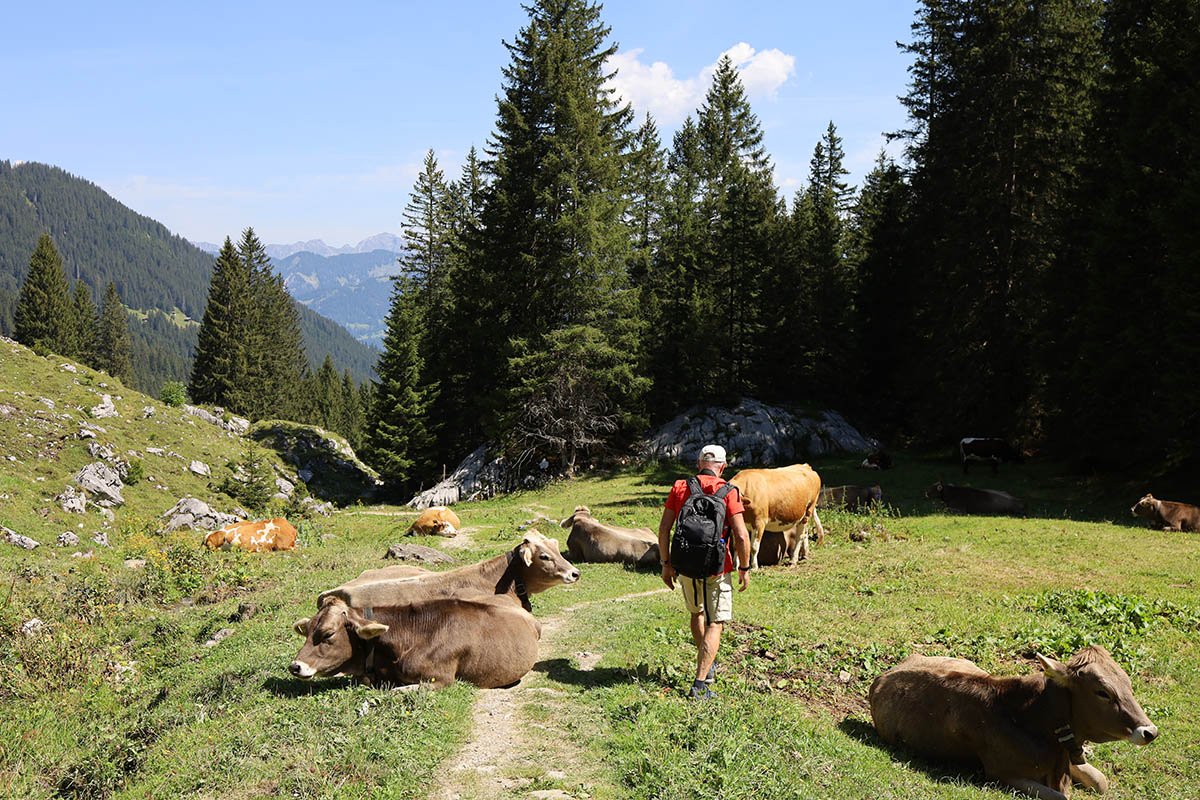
(417, 553)
(101, 451)
(101, 538)
(101, 482)
(32, 627)
(755, 433)
(67, 539)
(105, 408)
(233, 424)
(20, 540)
(195, 515)
(72, 500)
(477, 476)
(200, 468)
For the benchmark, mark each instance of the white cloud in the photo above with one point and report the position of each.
(654, 88)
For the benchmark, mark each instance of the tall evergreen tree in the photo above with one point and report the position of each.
(222, 363)
(112, 341)
(352, 412)
(87, 326)
(327, 396)
(44, 313)
(647, 195)
(428, 230)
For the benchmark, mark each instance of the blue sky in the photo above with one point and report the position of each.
(310, 120)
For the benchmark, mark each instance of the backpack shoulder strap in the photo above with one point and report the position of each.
(694, 487)
(724, 490)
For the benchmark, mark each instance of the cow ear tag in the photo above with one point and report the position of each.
(1054, 670)
(370, 630)
(301, 626)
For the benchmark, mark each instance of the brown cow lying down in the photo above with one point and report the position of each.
(255, 537)
(976, 501)
(1028, 731)
(1166, 515)
(597, 542)
(778, 499)
(533, 566)
(850, 498)
(489, 642)
(435, 521)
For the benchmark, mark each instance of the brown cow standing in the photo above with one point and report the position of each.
(777, 499)
(435, 521)
(255, 537)
(1028, 731)
(533, 566)
(1166, 515)
(593, 541)
(488, 642)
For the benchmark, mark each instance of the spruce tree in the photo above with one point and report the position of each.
(647, 196)
(428, 227)
(352, 412)
(327, 396)
(221, 368)
(112, 341)
(87, 326)
(44, 315)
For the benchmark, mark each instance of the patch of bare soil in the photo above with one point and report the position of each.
(507, 752)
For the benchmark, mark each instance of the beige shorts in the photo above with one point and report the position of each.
(719, 596)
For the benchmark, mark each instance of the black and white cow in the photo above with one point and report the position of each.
(987, 451)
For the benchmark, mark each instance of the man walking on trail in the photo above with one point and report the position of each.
(709, 597)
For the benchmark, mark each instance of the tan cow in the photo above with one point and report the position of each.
(777, 499)
(533, 566)
(1166, 515)
(255, 537)
(435, 521)
(488, 642)
(1028, 730)
(597, 542)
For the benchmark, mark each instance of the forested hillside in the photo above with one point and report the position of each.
(161, 277)
(351, 289)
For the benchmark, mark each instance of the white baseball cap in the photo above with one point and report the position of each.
(712, 453)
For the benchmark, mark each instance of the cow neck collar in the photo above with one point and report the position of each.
(511, 579)
(1061, 711)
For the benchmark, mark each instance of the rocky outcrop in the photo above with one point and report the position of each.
(72, 501)
(475, 477)
(20, 540)
(105, 408)
(335, 472)
(755, 433)
(102, 483)
(235, 425)
(196, 515)
(417, 553)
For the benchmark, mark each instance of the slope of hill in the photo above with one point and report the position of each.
(352, 289)
(154, 270)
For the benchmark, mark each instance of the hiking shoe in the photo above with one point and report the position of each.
(701, 691)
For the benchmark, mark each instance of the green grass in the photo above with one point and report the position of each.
(119, 696)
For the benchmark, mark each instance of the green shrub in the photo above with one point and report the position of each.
(173, 393)
(135, 473)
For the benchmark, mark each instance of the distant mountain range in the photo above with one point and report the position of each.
(354, 289)
(380, 241)
(162, 278)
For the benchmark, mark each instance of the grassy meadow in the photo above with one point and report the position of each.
(120, 696)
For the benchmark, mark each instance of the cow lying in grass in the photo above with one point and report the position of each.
(254, 537)
(593, 541)
(435, 521)
(1028, 731)
(850, 498)
(1165, 515)
(976, 501)
(533, 566)
(489, 642)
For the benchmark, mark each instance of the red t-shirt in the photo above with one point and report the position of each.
(710, 484)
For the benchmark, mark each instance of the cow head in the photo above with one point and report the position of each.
(580, 511)
(1103, 708)
(1146, 507)
(215, 539)
(542, 566)
(336, 641)
(935, 491)
(876, 494)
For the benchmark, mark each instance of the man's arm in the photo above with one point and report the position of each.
(741, 544)
(664, 546)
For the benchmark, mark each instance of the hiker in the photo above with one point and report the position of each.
(700, 557)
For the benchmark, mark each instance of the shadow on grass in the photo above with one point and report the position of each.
(938, 771)
(562, 671)
(294, 687)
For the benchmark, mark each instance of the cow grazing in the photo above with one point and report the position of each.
(987, 451)
(966, 500)
(597, 542)
(778, 499)
(1166, 515)
(851, 498)
(533, 566)
(255, 537)
(876, 460)
(435, 521)
(487, 642)
(1028, 731)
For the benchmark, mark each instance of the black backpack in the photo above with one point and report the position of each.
(697, 549)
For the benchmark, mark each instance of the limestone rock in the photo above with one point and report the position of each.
(101, 451)
(101, 537)
(224, 633)
(72, 500)
(147, 412)
(32, 627)
(20, 540)
(105, 408)
(135, 563)
(200, 468)
(232, 424)
(195, 515)
(285, 487)
(69, 368)
(417, 553)
(102, 482)
(67, 539)
(755, 433)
